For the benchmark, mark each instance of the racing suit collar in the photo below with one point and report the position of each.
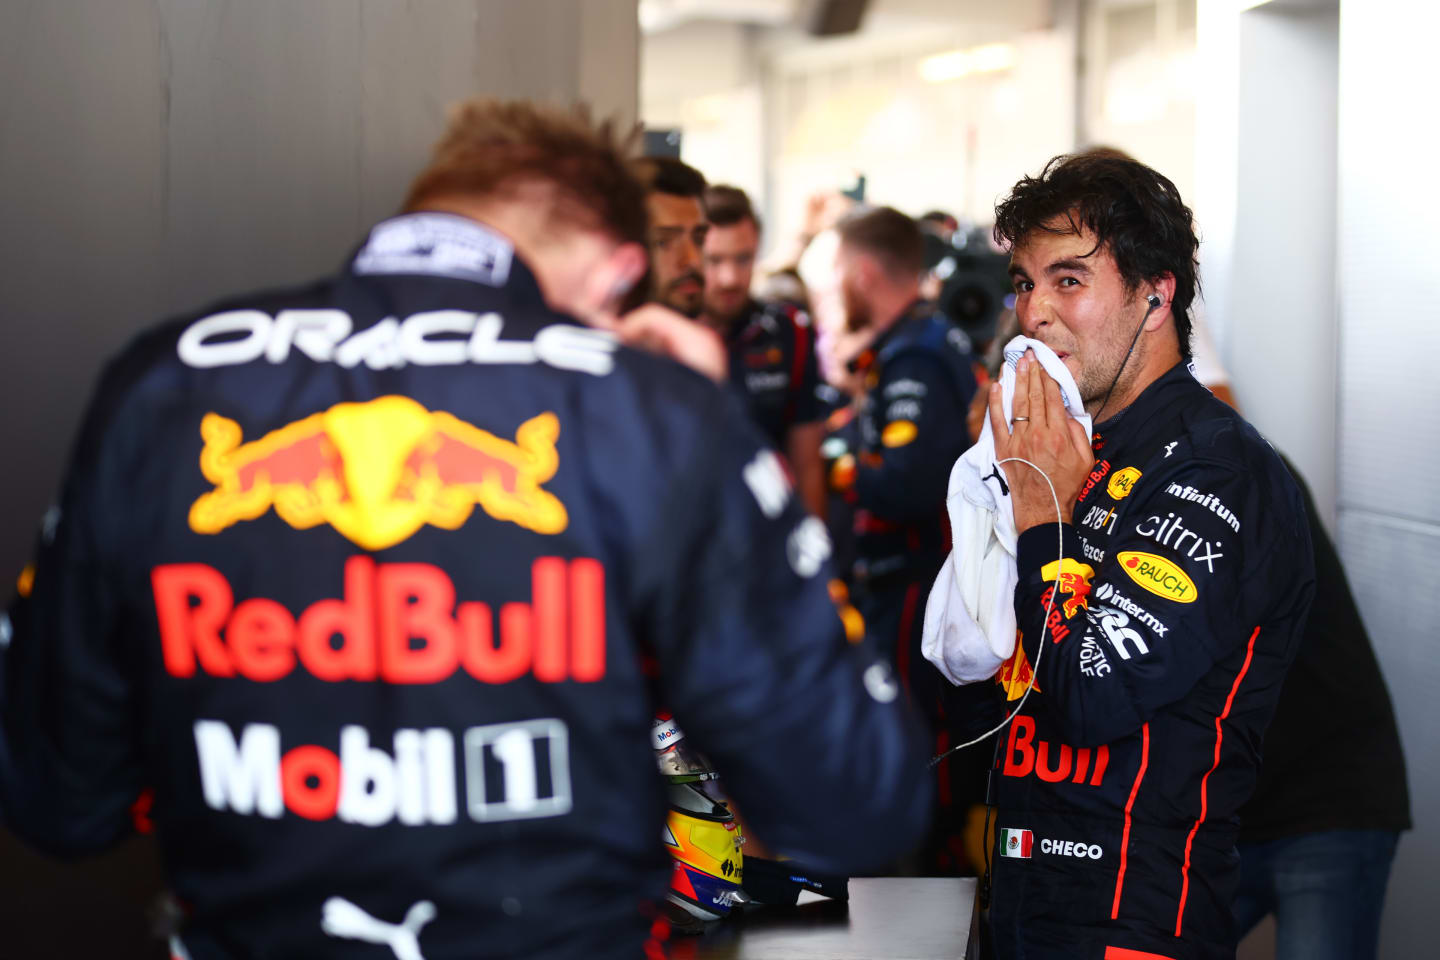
(447, 245)
(1159, 394)
(742, 322)
(918, 310)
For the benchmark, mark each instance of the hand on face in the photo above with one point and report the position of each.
(1045, 434)
(663, 331)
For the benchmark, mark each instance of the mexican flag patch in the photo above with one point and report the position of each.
(1016, 843)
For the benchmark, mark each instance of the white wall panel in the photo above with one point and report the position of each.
(1266, 210)
(1389, 438)
(1389, 257)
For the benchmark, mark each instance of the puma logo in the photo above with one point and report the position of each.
(999, 478)
(1170, 446)
(341, 918)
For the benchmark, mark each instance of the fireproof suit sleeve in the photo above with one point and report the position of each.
(922, 432)
(806, 391)
(1183, 585)
(69, 754)
(811, 734)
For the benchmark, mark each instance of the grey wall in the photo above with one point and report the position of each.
(1389, 392)
(156, 154)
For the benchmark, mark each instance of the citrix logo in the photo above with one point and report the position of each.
(1171, 533)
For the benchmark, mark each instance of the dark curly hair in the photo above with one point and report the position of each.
(1135, 212)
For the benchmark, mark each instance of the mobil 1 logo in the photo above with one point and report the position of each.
(517, 771)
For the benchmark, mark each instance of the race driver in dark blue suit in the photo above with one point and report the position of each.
(1157, 617)
(351, 585)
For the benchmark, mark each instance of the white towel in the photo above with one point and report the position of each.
(970, 617)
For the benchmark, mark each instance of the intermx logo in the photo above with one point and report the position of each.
(378, 471)
(1051, 762)
(560, 635)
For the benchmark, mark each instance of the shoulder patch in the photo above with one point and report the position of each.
(1123, 482)
(899, 433)
(905, 387)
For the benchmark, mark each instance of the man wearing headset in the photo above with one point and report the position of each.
(1154, 644)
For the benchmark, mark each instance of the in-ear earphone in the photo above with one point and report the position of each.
(1154, 302)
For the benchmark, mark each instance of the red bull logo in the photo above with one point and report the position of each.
(1016, 675)
(378, 471)
(1071, 579)
(1078, 587)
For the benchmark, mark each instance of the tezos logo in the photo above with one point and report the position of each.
(1158, 575)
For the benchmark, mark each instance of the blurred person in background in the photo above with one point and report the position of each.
(677, 232)
(785, 286)
(912, 385)
(352, 589)
(771, 346)
(812, 252)
(940, 223)
(1318, 838)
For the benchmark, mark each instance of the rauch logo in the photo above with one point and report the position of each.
(1158, 575)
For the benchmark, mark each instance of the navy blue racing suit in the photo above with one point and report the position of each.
(353, 583)
(909, 431)
(1179, 593)
(772, 365)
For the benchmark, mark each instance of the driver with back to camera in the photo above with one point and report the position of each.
(352, 584)
(1183, 583)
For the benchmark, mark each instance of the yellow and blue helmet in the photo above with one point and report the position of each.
(700, 834)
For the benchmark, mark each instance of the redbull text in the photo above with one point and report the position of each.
(559, 636)
(1101, 469)
(1024, 756)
